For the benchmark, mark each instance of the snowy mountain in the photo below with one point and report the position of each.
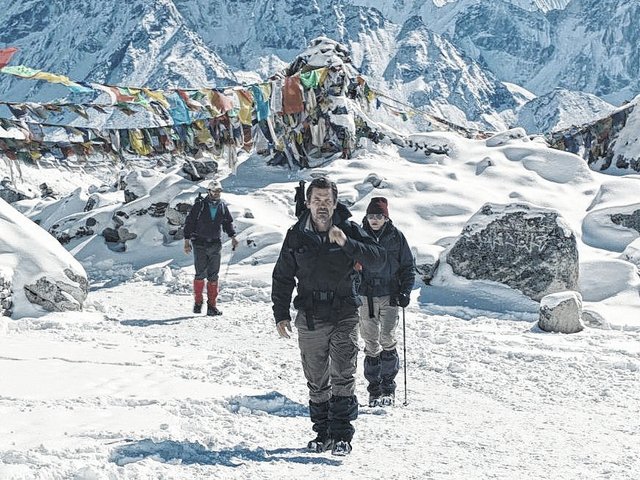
(429, 71)
(539, 45)
(561, 109)
(136, 43)
(585, 45)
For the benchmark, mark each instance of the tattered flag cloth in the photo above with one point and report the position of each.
(5, 56)
(261, 95)
(178, 109)
(292, 95)
(246, 106)
(20, 71)
(27, 72)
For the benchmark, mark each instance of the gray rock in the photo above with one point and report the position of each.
(200, 169)
(58, 296)
(528, 248)
(594, 320)
(119, 217)
(628, 221)
(9, 193)
(110, 235)
(124, 234)
(5, 297)
(46, 191)
(174, 217)
(374, 179)
(158, 209)
(92, 201)
(427, 271)
(177, 234)
(129, 196)
(561, 312)
(184, 207)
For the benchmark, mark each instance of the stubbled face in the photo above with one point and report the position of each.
(376, 221)
(215, 194)
(322, 205)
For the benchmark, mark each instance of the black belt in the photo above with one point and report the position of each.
(323, 296)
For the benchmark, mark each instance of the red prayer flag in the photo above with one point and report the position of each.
(5, 55)
(292, 95)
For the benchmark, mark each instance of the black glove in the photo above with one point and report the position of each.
(403, 300)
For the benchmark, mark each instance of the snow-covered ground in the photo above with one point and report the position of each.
(150, 391)
(137, 387)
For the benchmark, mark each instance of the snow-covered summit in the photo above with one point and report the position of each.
(561, 109)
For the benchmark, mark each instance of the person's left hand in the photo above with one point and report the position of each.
(234, 243)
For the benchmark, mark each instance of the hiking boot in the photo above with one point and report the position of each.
(197, 308)
(341, 448)
(320, 444)
(388, 400)
(213, 311)
(374, 401)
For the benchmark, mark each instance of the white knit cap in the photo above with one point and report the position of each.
(214, 185)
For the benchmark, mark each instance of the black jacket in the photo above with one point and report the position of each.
(327, 282)
(200, 227)
(397, 275)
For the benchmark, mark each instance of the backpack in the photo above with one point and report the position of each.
(301, 205)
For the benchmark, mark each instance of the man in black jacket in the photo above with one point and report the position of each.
(384, 290)
(320, 252)
(202, 229)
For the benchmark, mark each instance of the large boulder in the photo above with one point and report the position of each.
(528, 248)
(36, 269)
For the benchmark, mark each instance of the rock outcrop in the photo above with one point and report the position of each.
(529, 248)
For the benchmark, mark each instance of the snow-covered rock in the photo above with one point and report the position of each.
(611, 224)
(39, 270)
(507, 136)
(632, 253)
(611, 143)
(9, 193)
(561, 312)
(529, 248)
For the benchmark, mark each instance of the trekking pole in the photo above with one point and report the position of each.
(226, 271)
(404, 356)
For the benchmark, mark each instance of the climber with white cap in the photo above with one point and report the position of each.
(202, 234)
